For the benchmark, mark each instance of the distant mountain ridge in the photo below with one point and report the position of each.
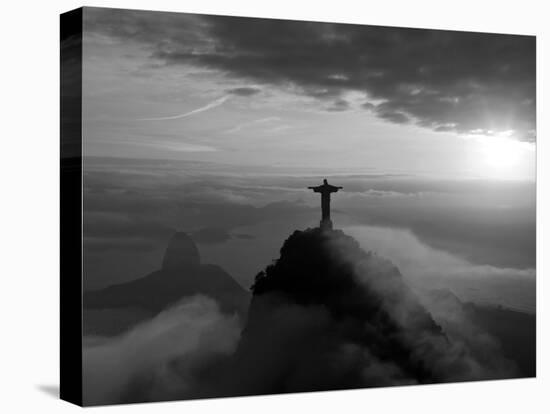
(181, 275)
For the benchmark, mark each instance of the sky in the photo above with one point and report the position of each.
(217, 125)
(304, 96)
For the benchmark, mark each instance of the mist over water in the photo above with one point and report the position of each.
(474, 236)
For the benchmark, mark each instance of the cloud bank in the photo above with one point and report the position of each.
(158, 357)
(465, 82)
(426, 268)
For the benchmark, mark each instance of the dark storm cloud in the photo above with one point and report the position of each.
(443, 80)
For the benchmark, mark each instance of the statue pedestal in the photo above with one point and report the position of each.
(326, 224)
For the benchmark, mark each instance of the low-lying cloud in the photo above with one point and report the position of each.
(157, 357)
(427, 268)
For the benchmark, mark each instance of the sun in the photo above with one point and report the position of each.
(502, 156)
(500, 152)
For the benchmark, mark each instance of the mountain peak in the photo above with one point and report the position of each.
(325, 292)
(181, 252)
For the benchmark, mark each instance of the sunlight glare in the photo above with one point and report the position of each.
(501, 152)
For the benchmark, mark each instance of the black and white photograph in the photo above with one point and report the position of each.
(275, 206)
(260, 207)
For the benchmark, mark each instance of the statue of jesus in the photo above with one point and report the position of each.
(325, 189)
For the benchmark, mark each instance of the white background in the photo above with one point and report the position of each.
(29, 158)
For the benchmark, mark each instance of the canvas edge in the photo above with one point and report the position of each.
(71, 206)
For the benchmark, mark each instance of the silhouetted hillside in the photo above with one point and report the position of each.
(328, 268)
(328, 315)
(181, 275)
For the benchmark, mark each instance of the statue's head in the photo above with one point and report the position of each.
(325, 181)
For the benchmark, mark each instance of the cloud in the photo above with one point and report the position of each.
(469, 352)
(338, 106)
(256, 122)
(487, 223)
(395, 117)
(206, 107)
(427, 268)
(142, 365)
(460, 325)
(244, 91)
(457, 81)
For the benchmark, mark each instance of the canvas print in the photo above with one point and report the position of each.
(276, 206)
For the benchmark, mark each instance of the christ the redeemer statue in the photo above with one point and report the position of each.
(325, 189)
